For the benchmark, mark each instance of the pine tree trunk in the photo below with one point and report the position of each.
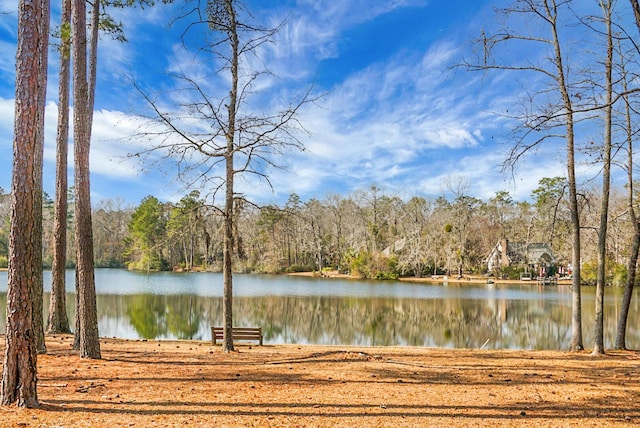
(88, 338)
(58, 321)
(19, 372)
(38, 281)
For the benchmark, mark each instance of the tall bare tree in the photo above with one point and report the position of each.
(58, 321)
(19, 373)
(237, 140)
(598, 345)
(632, 262)
(539, 120)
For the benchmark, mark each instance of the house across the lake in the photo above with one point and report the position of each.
(535, 257)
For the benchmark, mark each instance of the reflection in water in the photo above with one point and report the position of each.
(154, 316)
(458, 322)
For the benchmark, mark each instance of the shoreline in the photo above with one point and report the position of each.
(437, 279)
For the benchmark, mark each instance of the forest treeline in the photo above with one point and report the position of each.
(575, 91)
(368, 233)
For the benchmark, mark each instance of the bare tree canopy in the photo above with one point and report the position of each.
(218, 133)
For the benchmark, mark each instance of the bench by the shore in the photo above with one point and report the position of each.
(237, 333)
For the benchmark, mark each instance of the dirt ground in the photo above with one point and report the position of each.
(192, 383)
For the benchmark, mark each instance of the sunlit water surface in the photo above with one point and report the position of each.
(303, 310)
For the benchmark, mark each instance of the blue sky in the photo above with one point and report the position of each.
(394, 114)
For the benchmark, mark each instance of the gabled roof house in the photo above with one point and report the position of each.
(532, 255)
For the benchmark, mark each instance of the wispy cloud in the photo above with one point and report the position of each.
(7, 66)
(8, 8)
(313, 32)
(405, 121)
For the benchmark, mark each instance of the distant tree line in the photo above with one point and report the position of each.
(572, 85)
(367, 234)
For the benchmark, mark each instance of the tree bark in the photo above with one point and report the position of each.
(87, 334)
(598, 344)
(621, 333)
(58, 321)
(19, 373)
(635, 5)
(93, 62)
(576, 298)
(227, 263)
(38, 282)
(632, 262)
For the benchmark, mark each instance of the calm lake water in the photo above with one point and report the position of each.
(343, 312)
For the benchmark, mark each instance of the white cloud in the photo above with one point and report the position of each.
(313, 31)
(9, 14)
(8, 64)
(7, 111)
(379, 113)
(342, 14)
(111, 146)
(404, 123)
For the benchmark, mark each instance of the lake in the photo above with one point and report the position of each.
(303, 310)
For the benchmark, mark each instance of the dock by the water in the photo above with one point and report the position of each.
(547, 280)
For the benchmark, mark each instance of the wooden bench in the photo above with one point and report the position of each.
(237, 333)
